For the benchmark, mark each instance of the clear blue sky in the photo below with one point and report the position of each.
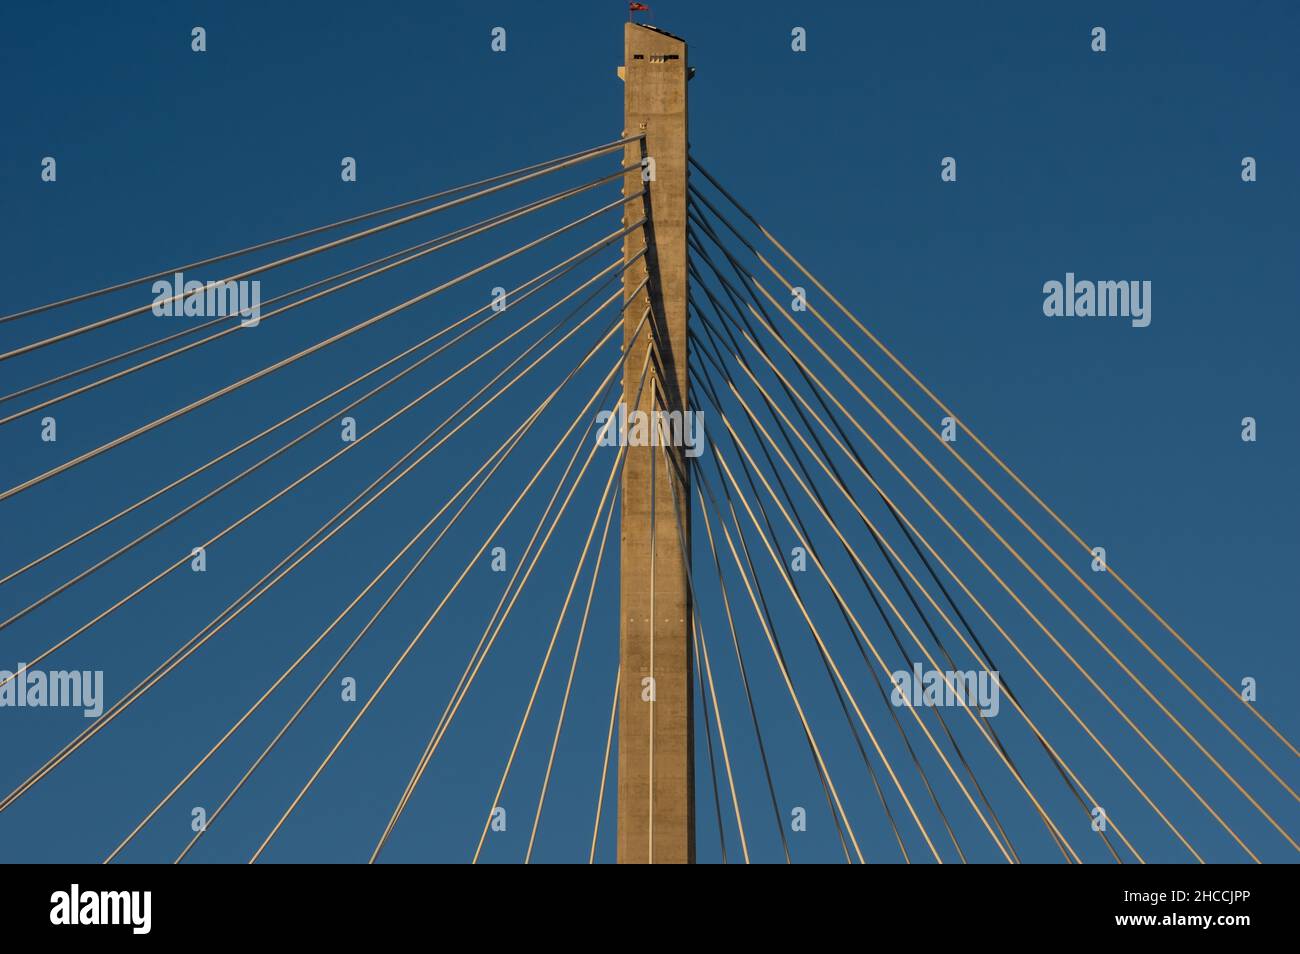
(1122, 165)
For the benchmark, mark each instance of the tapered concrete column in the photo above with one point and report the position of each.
(656, 805)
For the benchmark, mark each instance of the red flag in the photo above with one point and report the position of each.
(637, 6)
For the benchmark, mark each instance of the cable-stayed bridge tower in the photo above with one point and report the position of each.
(655, 766)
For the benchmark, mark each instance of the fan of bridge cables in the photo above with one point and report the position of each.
(1010, 695)
(269, 568)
